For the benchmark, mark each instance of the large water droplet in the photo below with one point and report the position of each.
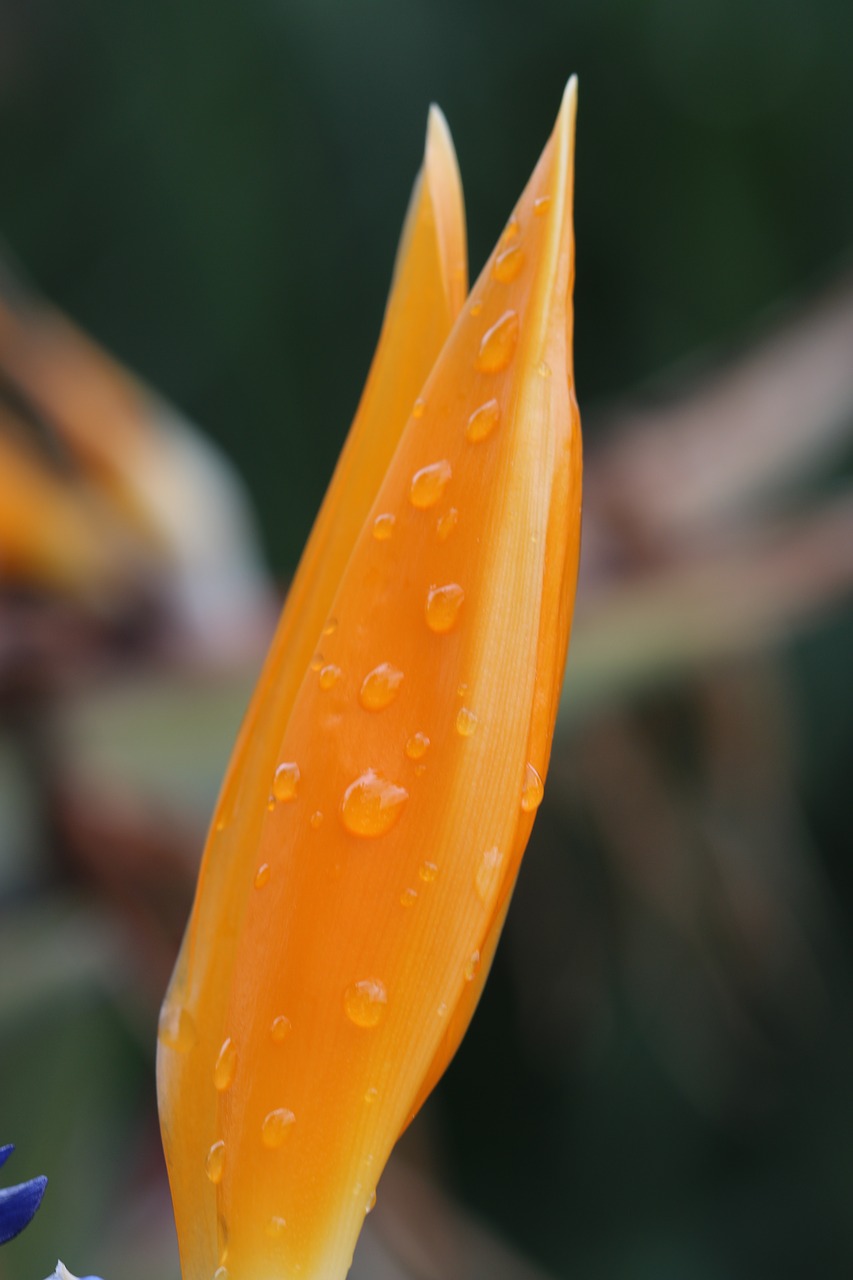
(483, 421)
(371, 805)
(498, 344)
(417, 746)
(442, 607)
(466, 722)
(214, 1165)
(429, 484)
(383, 526)
(488, 874)
(329, 676)
(285, 783)
(262, 876)
(276, 1126)
(380, 687)
(365, 1001)
(532, 791)
(226, 1066)
(280, 1028)
(508, 263)
(176, 1029)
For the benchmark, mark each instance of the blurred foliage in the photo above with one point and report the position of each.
(658, 1082)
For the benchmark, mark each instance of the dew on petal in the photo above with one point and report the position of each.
(511, 230)
(330, 627)
(532, 791)
(417, 746)
(497, 345)
(476, 308)
(429, 484)
(408, 897)
(442, 607)
(488, 874)
(472, 968)
(383, 526)
(418, 408)
(285, 783)
(214, 1165)
(276, 1226)
(540, 205)
(371, 1203)
(428, 871)
(276, 1126)
(365, 1001)
(226, 1066)
(446, 523)
(316, 662)
(176, 1029)
(380, 687)
(262, 876)
(483, 421)
(371, 805)
(316, 819)
(280, 1028)
(508, 264)
(329, 676)
(466, 722)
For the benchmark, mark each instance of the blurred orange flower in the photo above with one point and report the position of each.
(384, 784)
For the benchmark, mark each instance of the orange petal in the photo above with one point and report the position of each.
(429, 286)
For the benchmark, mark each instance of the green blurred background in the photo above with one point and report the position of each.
(658, 1084)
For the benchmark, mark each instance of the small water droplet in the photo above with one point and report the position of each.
(371, 1094)
(429, 484)
(262, 875)
(507, 264)
(476, 308)
(483, 421)
(418, 408)
(532, 791)
(316, 819)
(176, 1029)
(420, 770)
(441, 1011)
(380, 687)
(543, 369)
(462, 689)
(445, 524)
(497, 345)
(466, 722)
(365, 1001)
(221, 1273)
(511, 230)
(285, 782)
(540, 205)
(472, 968)
(271, 802)
(442, 607)
(417, 746)
(371, 805)
(428, 871)
(214, 1165)
(316, 662)
(280, 1028)
(329, 676)
(219, 825)
(226, 1066)
(371, 1203)
(276, 1126)
(330, 627)
(276, 1226)
(488, 874)
(383, 526)
(408, 897)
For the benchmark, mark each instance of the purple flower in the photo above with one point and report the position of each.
(18, 1204)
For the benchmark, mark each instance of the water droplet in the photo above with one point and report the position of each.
(330, 627)
(466, 722)
(442, 607)
(276, 1227)
(417, 746)
(221, 1273)
(428, 871)
(418, 408)
(380, 687)
(176, 1029)
(511, 230)
(214, 1165)
(276, 1126)
(262, 875)
(383, 526)
(420, 770)
(271, 802)
(365, 1001)
(461, 689)
(316, 662)
(371, 1203)
(408, 897)
(285, 783)
(532, 791)
(543, 369)
(316, 819)
(507, 264)
(476, 308)
(497, 345)
(429, 484)
(488, 874)
(226, 1066)
(472, 968)
(446, 523)
(483, 421)
(371, 1094)
(441, 1011)
(219, 825)
(540, 205)
(371, 805)
(280, 1028)
(329, 676)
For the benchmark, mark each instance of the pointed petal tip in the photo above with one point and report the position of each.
(438, 130)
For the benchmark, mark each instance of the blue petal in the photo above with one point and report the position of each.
(18, 1205)
(5, 1152)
